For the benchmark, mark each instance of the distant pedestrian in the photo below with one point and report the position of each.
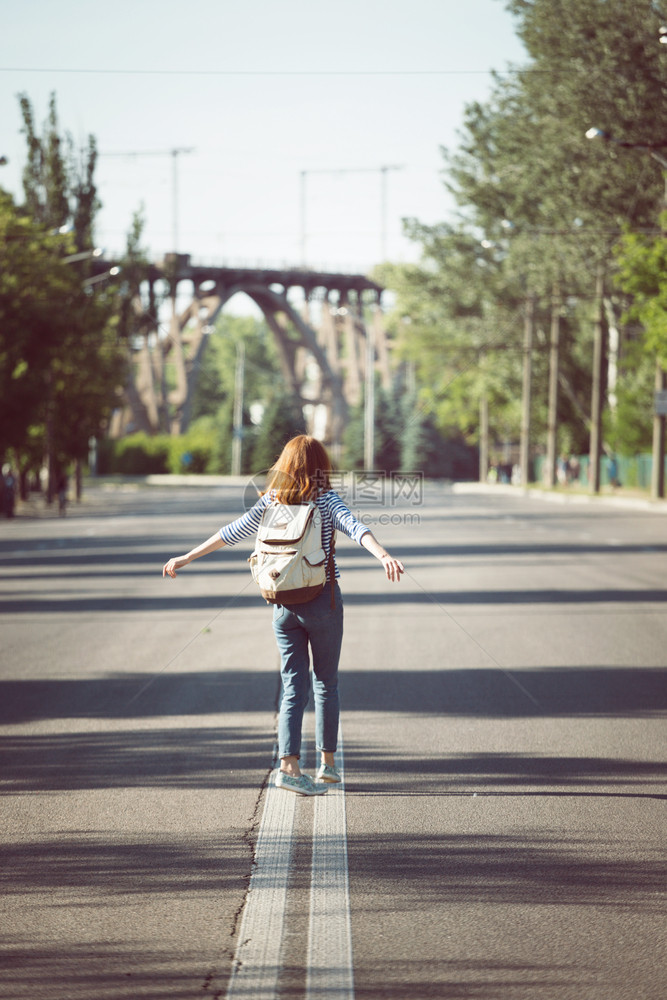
(573, 469)
(8, 490)
(302, 473)
(61, 489)
(613, 472)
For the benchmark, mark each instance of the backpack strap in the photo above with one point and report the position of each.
(332, 569)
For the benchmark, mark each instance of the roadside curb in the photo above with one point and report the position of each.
(95, 491)
(626, 502)
(98, 490)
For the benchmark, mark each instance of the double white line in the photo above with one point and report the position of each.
(258, 959)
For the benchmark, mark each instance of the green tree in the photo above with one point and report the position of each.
(593, 63)
(541, 208)
(458, 323)
(59, 360)
(615, 80)
(214, 396)
(283, 419)
(32, 279)
(389, 426)
(60, 357)
(425, 450)
(58, 181)
(215, 384)
(642, 274)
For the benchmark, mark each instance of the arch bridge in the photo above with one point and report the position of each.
(338, 325)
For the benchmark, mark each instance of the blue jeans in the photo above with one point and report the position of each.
(295, 627)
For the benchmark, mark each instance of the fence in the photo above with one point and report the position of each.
(632, 471)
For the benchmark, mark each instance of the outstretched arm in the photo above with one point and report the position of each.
(178, 562)
(392, 567)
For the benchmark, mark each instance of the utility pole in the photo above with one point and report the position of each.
(369, 398)
(595, 449)
(174, 153)
(524, 459)
(483, 436)
(237, 439)
(383, 211)
(351, 170)
(554, 363)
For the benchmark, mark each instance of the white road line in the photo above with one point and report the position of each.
(330, 972)
(257, 961)
(258, 958)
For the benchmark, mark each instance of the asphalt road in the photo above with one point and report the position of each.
(504, 752)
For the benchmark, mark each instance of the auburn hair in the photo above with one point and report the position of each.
(301, 472)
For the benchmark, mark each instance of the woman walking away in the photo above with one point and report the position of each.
(302, 474)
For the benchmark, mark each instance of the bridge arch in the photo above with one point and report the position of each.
(336, 339)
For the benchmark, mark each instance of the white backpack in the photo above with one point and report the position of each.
(289, 563)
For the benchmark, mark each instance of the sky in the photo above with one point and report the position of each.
(290, 110)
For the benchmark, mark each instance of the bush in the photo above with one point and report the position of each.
(144, 455)
(193, 451)
(136, 455)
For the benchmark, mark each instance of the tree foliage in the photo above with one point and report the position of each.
(541, 210)
(216, 381)
(389, 423)
(60, 361)
(214, 396)
(642, 274)
(282, 420)
(58, 180)
(32, 278)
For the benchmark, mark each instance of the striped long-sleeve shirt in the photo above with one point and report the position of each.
(335, 517)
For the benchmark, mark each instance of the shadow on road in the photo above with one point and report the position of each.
(211, 756)
(124, 970)
(451, 874)
(527, 868)
(174, 601)
(623, 692)
(435, 979)
(185, 758)
(503, 774)
(126, 866)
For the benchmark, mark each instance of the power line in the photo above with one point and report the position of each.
(262, 72)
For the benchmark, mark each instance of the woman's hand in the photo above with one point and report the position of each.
(170, 567)
(178, 562)
(392, 567)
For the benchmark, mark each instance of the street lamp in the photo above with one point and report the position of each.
(658, 468)
(83, 255)
(647, 147)
(111, 273)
